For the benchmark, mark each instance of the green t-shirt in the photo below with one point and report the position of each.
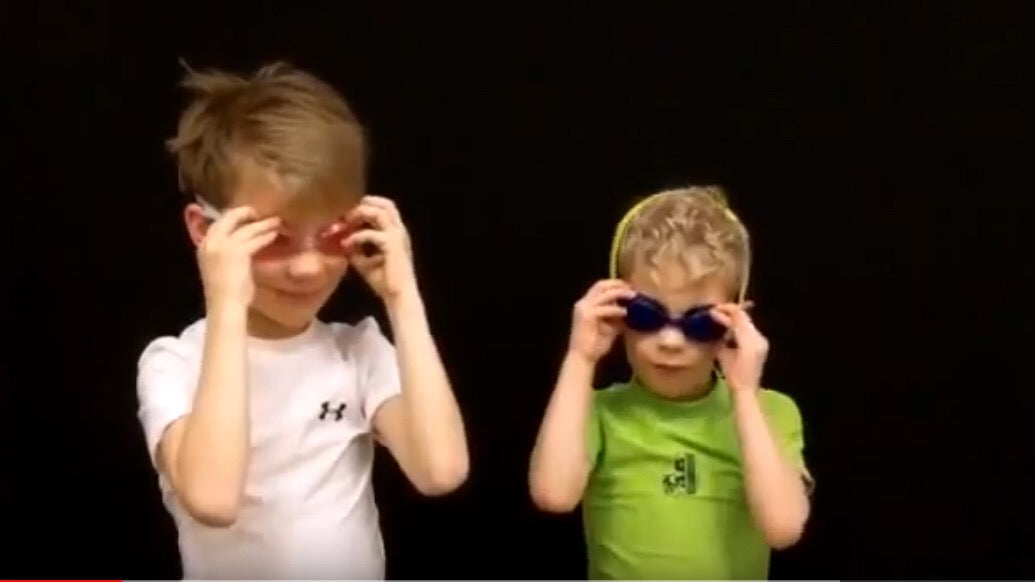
(666, 497)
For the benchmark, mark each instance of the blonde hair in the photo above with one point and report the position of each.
(693, 225)
(282, 118)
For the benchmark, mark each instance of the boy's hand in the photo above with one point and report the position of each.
(743, 360)
(597, 319)
(224, 256)
(389, 271)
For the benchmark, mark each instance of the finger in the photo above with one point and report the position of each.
(733, 311)
(724, 354)
(736, 319)
(613, 294)
(231, 219)
(357, 243)
(609, 312)
(259, 241)
(611, 328)
(357, 239)
(364, 263)
(384, 203)
(721, 317)
(605, 285)
(373, 215)
(742, 330)
(732, 308)
(256, 228)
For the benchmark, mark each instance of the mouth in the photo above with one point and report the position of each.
(669, 368)
(299, 296)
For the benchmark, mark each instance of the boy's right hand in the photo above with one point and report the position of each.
(225, 256)
(597, 319)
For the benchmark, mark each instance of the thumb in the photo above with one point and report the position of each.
(367, 242)
(726, 353)
(364, 262)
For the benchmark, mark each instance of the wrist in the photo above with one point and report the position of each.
(579, 362)
(405, 303)
(227, 314)
(744, 395)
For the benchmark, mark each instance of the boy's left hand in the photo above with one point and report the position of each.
(389, 271)
(742, 361)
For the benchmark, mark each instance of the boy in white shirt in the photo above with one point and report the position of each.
(260, 418)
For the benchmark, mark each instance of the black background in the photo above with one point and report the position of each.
(875, 153)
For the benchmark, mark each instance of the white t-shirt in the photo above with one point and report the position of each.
(308, 509)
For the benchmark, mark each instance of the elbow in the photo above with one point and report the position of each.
(215, 510)
(554, 503)
(445, 478)
(782, 538)
(784, 525)
(552, 499)
(213, 515)
(444, 484)
(784, 533)
(215, 518)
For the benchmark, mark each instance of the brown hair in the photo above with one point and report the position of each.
(281, 118)
(693, 225)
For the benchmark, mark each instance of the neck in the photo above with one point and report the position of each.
(263, 327)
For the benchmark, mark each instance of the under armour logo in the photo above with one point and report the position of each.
(326, 409)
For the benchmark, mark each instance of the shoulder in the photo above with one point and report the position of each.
(169, 365)
(374, 357)
(173, 349)
(780, 407)
(610, 396)
(362, 342)
(359, 337)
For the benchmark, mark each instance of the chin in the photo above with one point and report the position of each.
(673, 385)
(294, 317)
(296, 323)
(284, 308)
(666, 387)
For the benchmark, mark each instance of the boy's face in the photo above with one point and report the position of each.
(667, 361)
(296, 273)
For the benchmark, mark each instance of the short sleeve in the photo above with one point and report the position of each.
(594, 432)
(165, 388)
(380, 378)
(786, 421)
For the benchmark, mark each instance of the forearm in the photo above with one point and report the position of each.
(434, 423)
(775, 490)
(560, 465)
(213, 454)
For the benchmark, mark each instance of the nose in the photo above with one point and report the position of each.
(306, 265)
(670, 338)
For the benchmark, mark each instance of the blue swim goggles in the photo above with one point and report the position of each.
(646, 315)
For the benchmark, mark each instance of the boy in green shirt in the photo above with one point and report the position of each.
(690, 470)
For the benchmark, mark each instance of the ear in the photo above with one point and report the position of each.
(196, 222)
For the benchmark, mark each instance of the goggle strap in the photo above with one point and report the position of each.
(207, 209)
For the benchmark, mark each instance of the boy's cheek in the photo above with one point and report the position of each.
(336, 265)
(637, 348)
(264, 271)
